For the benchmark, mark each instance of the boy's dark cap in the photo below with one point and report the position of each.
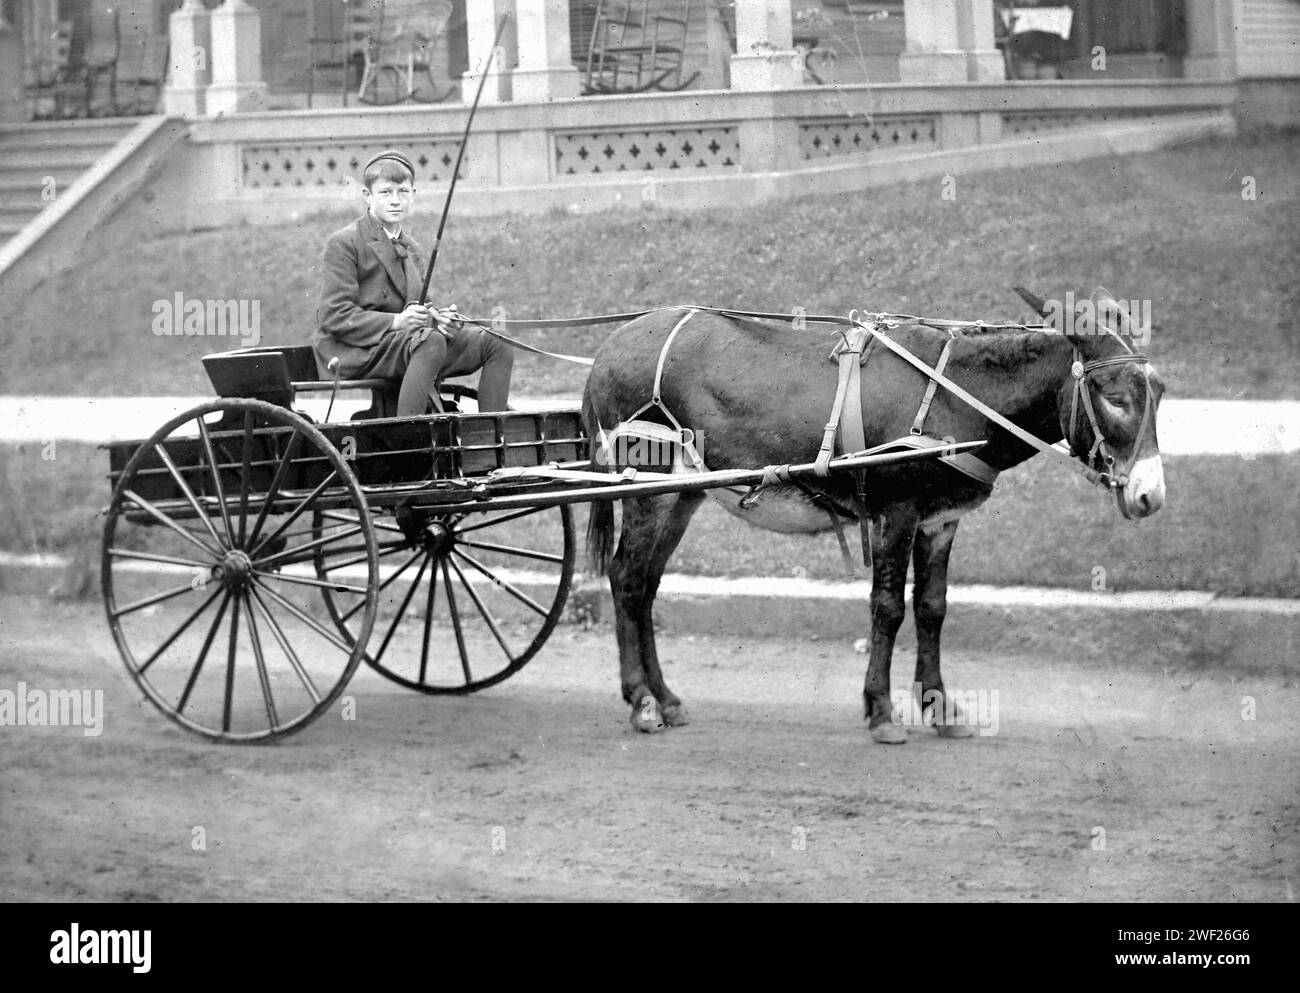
(396, 156)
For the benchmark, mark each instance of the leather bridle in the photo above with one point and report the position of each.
(1082, 371)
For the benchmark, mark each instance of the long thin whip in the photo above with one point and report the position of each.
(455, 173)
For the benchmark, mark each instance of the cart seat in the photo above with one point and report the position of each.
(276, 373)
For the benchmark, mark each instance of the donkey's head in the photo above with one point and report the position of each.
(1108, 403)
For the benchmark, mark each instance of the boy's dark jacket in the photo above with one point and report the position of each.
(363, 284)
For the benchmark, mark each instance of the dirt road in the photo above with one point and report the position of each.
(1100, 784)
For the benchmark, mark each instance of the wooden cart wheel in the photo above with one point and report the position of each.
(466, 600)
(207, 577)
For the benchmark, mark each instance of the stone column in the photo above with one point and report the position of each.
(765, 58)
(716, 72)
(1210, 46)
(236, 59)
(984, 63)
(13, 107)
(546, 70)
(481, 18)
(190, 33)
(949, 41)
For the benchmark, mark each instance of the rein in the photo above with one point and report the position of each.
(1079, 369)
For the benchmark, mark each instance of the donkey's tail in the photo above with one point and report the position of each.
(600, 535)
(600, 521)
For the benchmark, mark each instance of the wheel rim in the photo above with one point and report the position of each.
(207, 575)
(465, 602)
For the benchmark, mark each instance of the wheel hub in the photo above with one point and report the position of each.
(437, 538)
(234, 571)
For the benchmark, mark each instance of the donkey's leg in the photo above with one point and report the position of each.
(652, 526)
(892, 535)
(670, 535)
(627, 569)
(929, 606)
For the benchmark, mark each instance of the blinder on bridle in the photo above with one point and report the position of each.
(1081, 371)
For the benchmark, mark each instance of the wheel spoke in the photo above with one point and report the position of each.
(500, 583)
(501, 520)
(401, 610)
(384, 585)
(428, 623)
(126, 553)
(290, 450)
(188, 493)
(306, 581)
(216, 479)
(231, 652)
(343, 518)
(152, 599)
(285, 647)
(166, 521)
(482, 607)
(180, 630)
(296, 512)
(260, 659)
(245, 480)
(203, 655)
(527, 553)
(306, 618)
(388, 549)
(310, 546)
(455, 623)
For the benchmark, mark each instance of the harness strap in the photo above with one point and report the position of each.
(663, 357)
(918, 424)
(1015, 430)
(965, 463)
(849, 387)
(1081, 370)
(852, 435)
(853, 320)
(515, 342)
(656, 400)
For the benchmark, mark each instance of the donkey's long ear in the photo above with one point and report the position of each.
(1036, 302)
(1112, 314)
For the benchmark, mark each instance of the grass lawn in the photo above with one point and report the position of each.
(1229, 526)
(1170, 227)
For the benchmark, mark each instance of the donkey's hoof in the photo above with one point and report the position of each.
(889, 733)
(646, 716)
(955, 730)
(675, 715)
(952, 723)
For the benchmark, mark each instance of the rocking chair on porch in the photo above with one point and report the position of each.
(402, 38)
(390, 43)
(633, 50)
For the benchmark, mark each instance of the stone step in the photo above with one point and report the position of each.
(66, 133)
(52, 160)
(32, 182)
(18, 214)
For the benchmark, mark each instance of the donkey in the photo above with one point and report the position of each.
(759, 394)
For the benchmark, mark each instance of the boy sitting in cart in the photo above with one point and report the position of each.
(370, 318)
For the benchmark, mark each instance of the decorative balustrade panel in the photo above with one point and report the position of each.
(864, 135)
(1039, 121)
(336, 164)
(585, 152)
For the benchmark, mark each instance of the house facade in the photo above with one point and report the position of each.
(263, 112)
(69, 58)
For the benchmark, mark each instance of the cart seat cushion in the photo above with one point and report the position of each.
(267, 372)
